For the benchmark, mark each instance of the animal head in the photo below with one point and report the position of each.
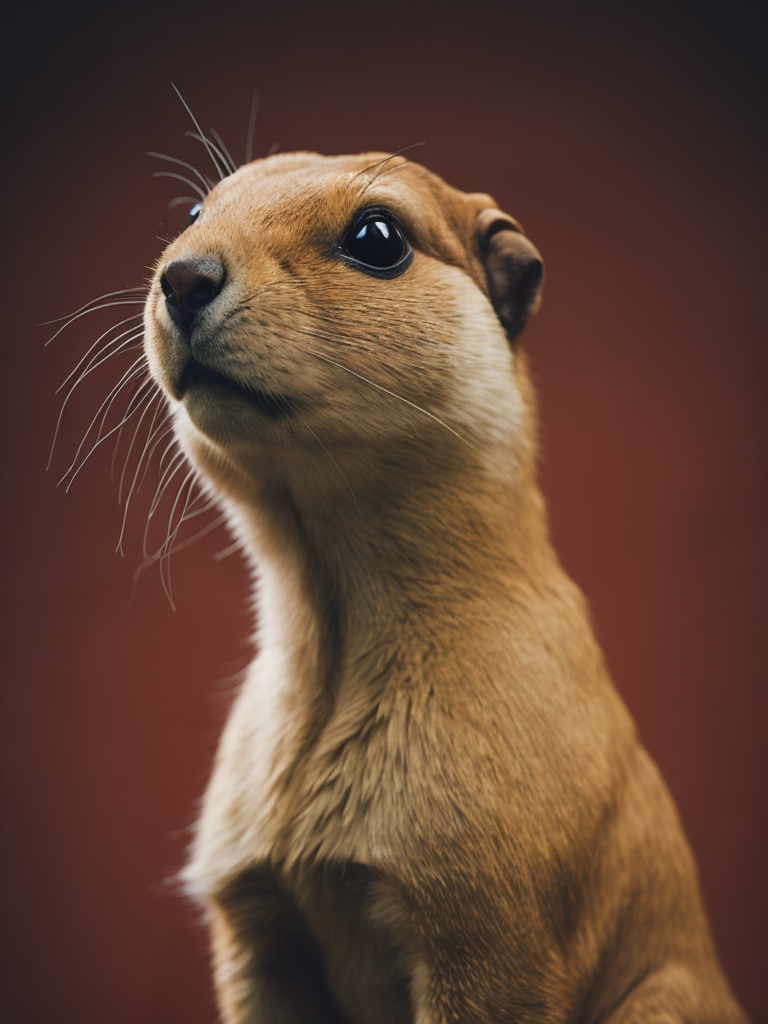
(355, 304)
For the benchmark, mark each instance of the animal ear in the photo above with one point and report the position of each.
(513, 267)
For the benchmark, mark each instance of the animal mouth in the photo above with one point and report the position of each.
(195, 375)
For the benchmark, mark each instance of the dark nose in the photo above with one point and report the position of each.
(189, 284)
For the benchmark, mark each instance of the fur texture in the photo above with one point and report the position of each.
(429, 804)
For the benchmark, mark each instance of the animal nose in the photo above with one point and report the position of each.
(189, 284)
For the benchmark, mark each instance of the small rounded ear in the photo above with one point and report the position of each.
(513, 267)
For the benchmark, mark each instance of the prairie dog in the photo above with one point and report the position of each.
(429, 803)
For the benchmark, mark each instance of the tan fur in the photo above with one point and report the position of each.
(429, 803)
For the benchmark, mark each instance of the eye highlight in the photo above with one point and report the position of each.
(194, 213)
(376, 245)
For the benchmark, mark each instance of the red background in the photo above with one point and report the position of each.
(625, 140)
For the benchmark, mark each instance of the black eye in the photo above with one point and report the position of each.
(376, 244)
(194, 213)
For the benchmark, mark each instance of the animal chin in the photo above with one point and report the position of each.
(195, 377)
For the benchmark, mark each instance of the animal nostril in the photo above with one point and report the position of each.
(189, 284)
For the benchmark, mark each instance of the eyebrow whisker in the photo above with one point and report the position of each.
(207, 183)
(172, 174)
(386, 159)
(202, 137)
(224, 151)
(251, 127)
(221, 163)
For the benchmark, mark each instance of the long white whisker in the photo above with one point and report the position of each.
(251, 127)
(151, 434)
(94, 309)
(132, 408)
(335, 463)
(77, 383)
(158, 406)
(164, 559)
(151, 559)
(386, 391)
(224, 151)
(158, 493)
(378, 163)
(181, 177)
(190, 480)
(175, 465)
(115, 450)
(160, 437)
(106, 295)
(203, 139)
(114, 327)
(221, 163)
(183, 163)
(156, 403)
(105, 358)
(177, 202)
(133, 370)
(154, 437)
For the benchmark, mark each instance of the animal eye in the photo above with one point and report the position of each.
(194, 213)
(376, 243)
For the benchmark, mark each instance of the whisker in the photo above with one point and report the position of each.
(225, 152)
(133, 371)
(159, 408)
(149, 452)
(165, 579)
(106, 295)
(177, 202)
(178, 458)
(103, 356)
(132, 408)
(115, 450)
(158, 404)
(387, 170)
(173, 174)
(207, 184)
(251, 127)
(173, 467)
(386, 159)
(93, 346)
(273, 149)
(202, 137)
(80, 379)
(131, 376)
(221, 164)
(400, 398)
(95, 309)
(383, 164)
(335, 463)
(168, 448)
(226, 552)
(168, 548)
(165, 433)
(151, 559)
(191, 479)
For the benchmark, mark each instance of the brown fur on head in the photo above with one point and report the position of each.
(331, 345)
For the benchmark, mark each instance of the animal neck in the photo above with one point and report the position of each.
(351, 570)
